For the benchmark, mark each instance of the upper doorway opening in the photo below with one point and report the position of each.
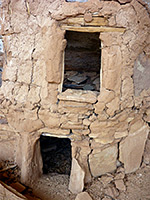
(82, 62)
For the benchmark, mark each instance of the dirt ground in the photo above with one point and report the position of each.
(55, 187)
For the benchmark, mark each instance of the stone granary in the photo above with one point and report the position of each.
(77, 71)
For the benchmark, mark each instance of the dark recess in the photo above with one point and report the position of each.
(82, 61)
(56, 154)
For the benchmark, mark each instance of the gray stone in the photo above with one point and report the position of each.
(88, 87)
(141, 74)
(76, 183)
(78, 78)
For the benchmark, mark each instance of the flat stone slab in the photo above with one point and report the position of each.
(76, 183)
(79, 96)
(83, 196)
(103, 161)
(78, 78)
(132, 148)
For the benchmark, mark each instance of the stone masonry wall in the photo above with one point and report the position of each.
(107, 129)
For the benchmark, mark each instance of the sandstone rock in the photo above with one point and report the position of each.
(99, 107)
(79, 96)
(105, 180)
(135, 125)
(76, 183)
(81, 132)
(111, 76)
(132, 148)
(7, 149)
(120, 185)
(147, 115)
(106, 198)
(20, 122)
(57, 132)
(104, 161)
(73, 126)
(111, 192)
(51, 120)
(83, 196)
(119, 175)
(105, 137)
(54, 60)
(74, 107)
(28, 157)
(81, 150)
(88, 17)
(86, 122)
(146, 157)
(120, 134)
(106, 96)
(113, 106)
(127, 90)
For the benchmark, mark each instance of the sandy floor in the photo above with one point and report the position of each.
(55, 187)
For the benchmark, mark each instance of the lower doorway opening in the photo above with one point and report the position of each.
(56, 155)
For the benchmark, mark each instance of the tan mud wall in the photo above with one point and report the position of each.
(109, 128)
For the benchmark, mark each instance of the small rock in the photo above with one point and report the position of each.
(105, 180)
(86, 122)
(78, 78)
(106, 198)
(146, 158)
(83, 196)
(120, 175)
(120, 169)
(88, 87)
(120, 185)
(111, 192)
(88, 17)
(76, 183)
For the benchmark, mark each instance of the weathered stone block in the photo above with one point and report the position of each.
(120, 134)
(54, 58)
(74, 107)
(132, 148)
(7, 149)
(104, 161)
(76, 183)
(20, 122)
(83, 196)
(79, 96)
(51, 120)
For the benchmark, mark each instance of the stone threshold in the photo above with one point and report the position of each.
(79, 96)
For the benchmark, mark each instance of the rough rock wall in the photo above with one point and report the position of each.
(106, 129)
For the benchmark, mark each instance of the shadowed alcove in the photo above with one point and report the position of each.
(56, 154)
(82, 61)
